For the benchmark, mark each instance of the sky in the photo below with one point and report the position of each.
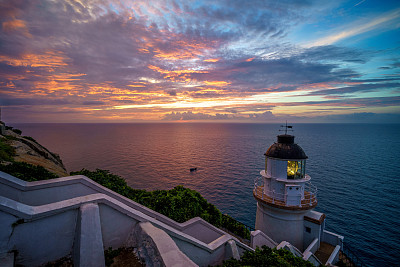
(211, 60)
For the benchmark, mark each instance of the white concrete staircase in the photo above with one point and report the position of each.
(47, 220)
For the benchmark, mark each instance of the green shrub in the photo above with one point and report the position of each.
(7, 152)
(10, 137)
(234, 226)
(267, 257)
(17, 131)
(30, 138)
(179, 203)
(27, 172)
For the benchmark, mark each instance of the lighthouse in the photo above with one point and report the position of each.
(285, 196)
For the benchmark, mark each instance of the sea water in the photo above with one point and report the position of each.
(355, 167)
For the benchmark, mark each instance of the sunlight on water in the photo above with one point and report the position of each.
(354, 167)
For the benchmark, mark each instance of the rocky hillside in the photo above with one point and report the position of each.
(30, 151)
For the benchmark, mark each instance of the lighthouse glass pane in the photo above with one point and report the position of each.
(295, 169)
(266, 164)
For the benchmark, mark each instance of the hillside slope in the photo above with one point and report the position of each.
(29, 151)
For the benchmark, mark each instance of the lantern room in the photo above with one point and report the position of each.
(285, 159)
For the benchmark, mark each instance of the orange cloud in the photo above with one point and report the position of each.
(68, 76)
(50, 59)
(175, 55)
(138, 84)
(144, 50)
(217, 83)
(16, 25)
(55, 78)
(110, 93)
(211, 60)
(250, 59)
(183, 49)
(176, 75)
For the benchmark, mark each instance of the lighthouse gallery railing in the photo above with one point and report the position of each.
(309, 199)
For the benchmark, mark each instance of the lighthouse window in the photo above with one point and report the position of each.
(266, 164)
(296, 169)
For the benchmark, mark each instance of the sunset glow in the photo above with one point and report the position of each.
(129, 61)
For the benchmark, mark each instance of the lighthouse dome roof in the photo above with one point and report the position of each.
(285, 148)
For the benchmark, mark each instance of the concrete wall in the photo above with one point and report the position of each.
(312, 247)
(332, 238)
(49, 211)
(280, 224)
(51, 238)
(315, 232)
(115, 226)
(202, 231)
(277, 168)
(334, 258)
(259, 239)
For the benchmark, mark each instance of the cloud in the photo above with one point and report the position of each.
(365, 25)
(355, 117)
(223, 59)
(361, 117)
(93, 102)
(364, 87)
(189, 116)
(199, 116)
(352, 102)
(7, 101)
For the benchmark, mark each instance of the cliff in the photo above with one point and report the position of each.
(30, 151)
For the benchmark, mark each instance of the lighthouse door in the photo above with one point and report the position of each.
(293, 195)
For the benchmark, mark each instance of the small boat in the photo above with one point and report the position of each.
(193, 169)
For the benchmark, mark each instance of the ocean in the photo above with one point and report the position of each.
(355, 167)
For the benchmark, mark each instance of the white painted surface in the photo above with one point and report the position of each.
(316, 230)
(117, 216)
(280, 224)
(259, 239)
(42, 240)
(89, 251)
(156, 244)
(313, 247)
(332, 238)
(232, 250)
(277, 168)
(334, 258)
(294, 194)
(202, 231)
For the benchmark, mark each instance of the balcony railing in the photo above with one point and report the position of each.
(309, 198)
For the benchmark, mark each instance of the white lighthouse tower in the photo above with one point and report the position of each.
(285, 195)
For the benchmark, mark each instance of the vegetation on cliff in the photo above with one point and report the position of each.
(27, 172)
(267, 257)
(179, 203)
(7, 152)
(17, 148)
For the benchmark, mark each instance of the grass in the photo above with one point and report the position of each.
(266, 256)
(27, 172)
(7, 152)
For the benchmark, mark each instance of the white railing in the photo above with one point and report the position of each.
(309, 197)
